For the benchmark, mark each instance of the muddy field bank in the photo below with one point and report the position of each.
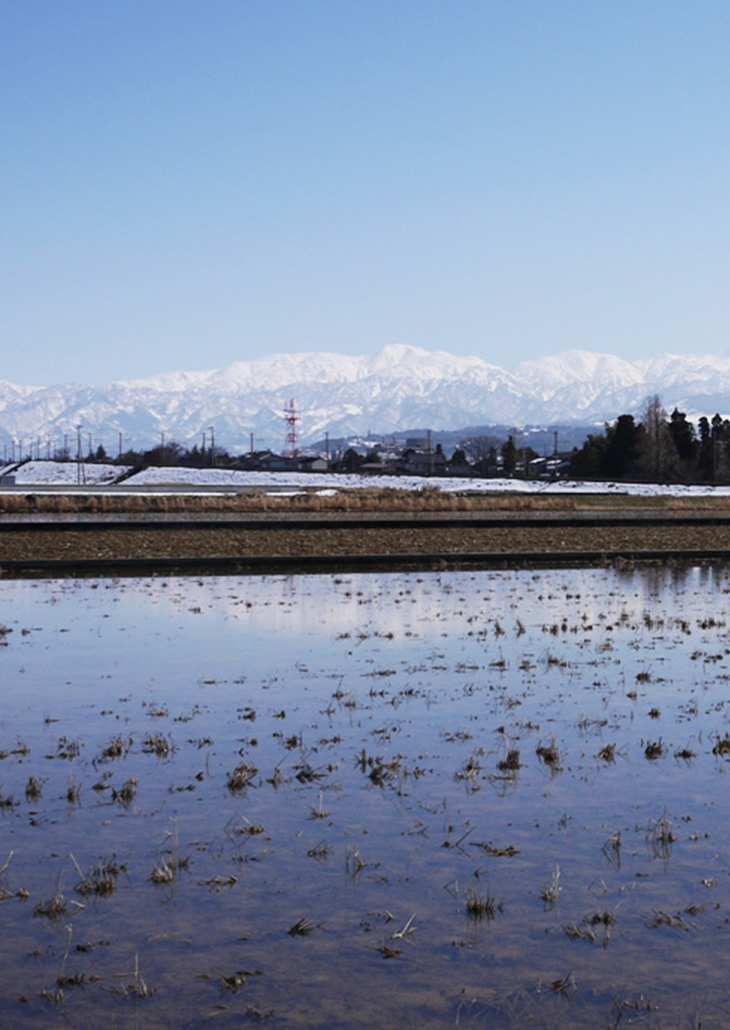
(282, 540)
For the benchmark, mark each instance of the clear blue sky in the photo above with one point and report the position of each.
(185, 184)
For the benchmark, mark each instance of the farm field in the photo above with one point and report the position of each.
(278, 539)
(239, 528)
(485, 799)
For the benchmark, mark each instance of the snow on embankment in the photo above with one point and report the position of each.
(66, 473)
(50, 473)
(334, 481)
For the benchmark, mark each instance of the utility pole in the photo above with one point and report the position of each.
(251, 448)
(120, 446)
(212, 446)
(327, 447)
(80, 475)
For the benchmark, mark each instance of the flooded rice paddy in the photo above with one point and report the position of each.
(478, 799)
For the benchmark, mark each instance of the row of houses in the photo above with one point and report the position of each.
(382, 459)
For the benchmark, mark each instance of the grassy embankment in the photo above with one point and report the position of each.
(363, 500)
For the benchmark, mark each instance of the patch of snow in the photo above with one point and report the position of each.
(62, 473)
(49, 473)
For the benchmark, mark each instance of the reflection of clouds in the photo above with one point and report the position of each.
(418, 604)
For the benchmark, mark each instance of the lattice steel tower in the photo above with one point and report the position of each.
(291, 417)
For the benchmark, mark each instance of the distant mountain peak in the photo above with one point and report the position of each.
(396, 388)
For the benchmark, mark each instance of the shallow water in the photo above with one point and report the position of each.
(588, 886)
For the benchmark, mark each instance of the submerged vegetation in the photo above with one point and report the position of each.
(486, 799)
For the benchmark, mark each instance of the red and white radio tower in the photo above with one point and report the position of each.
(291, 417)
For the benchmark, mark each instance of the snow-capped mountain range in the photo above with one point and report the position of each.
(400, 387)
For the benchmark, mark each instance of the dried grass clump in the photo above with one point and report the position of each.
(101, 879)
(511, 763)
(686, 754)
(722, 747)
(471, 768)
(136, 986)
(53, 908)
(241, 777)
(604, 918)
(654, 749)
(660, 837)
(115, 748)
(661, 918)
(156, 744)
(32, 789)
(166, 870)
(549, 754)
(68, 749)
(481, 906)
(552, 891)
(587, 929)
(162, 873)
(126, 793)
(302, 928)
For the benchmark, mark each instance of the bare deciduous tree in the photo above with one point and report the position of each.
(657, 452)
(482, 451)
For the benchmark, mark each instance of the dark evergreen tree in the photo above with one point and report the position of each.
(704, 458)
(619, 457)
(351, 460)
(169, 453)
(195, 457)
(509, 457)
(720, 438)
(588, 462)
(683, 435)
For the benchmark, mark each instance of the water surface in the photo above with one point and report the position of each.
(477, 799)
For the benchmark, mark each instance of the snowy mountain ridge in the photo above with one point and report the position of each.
(399, 387)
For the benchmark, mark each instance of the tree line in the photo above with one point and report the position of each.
(657, 448)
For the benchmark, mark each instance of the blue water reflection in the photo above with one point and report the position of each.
(553, 740)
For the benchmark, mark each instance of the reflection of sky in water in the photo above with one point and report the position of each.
(230, 627)
(320, 605)
(544, 647)
(441, 672)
